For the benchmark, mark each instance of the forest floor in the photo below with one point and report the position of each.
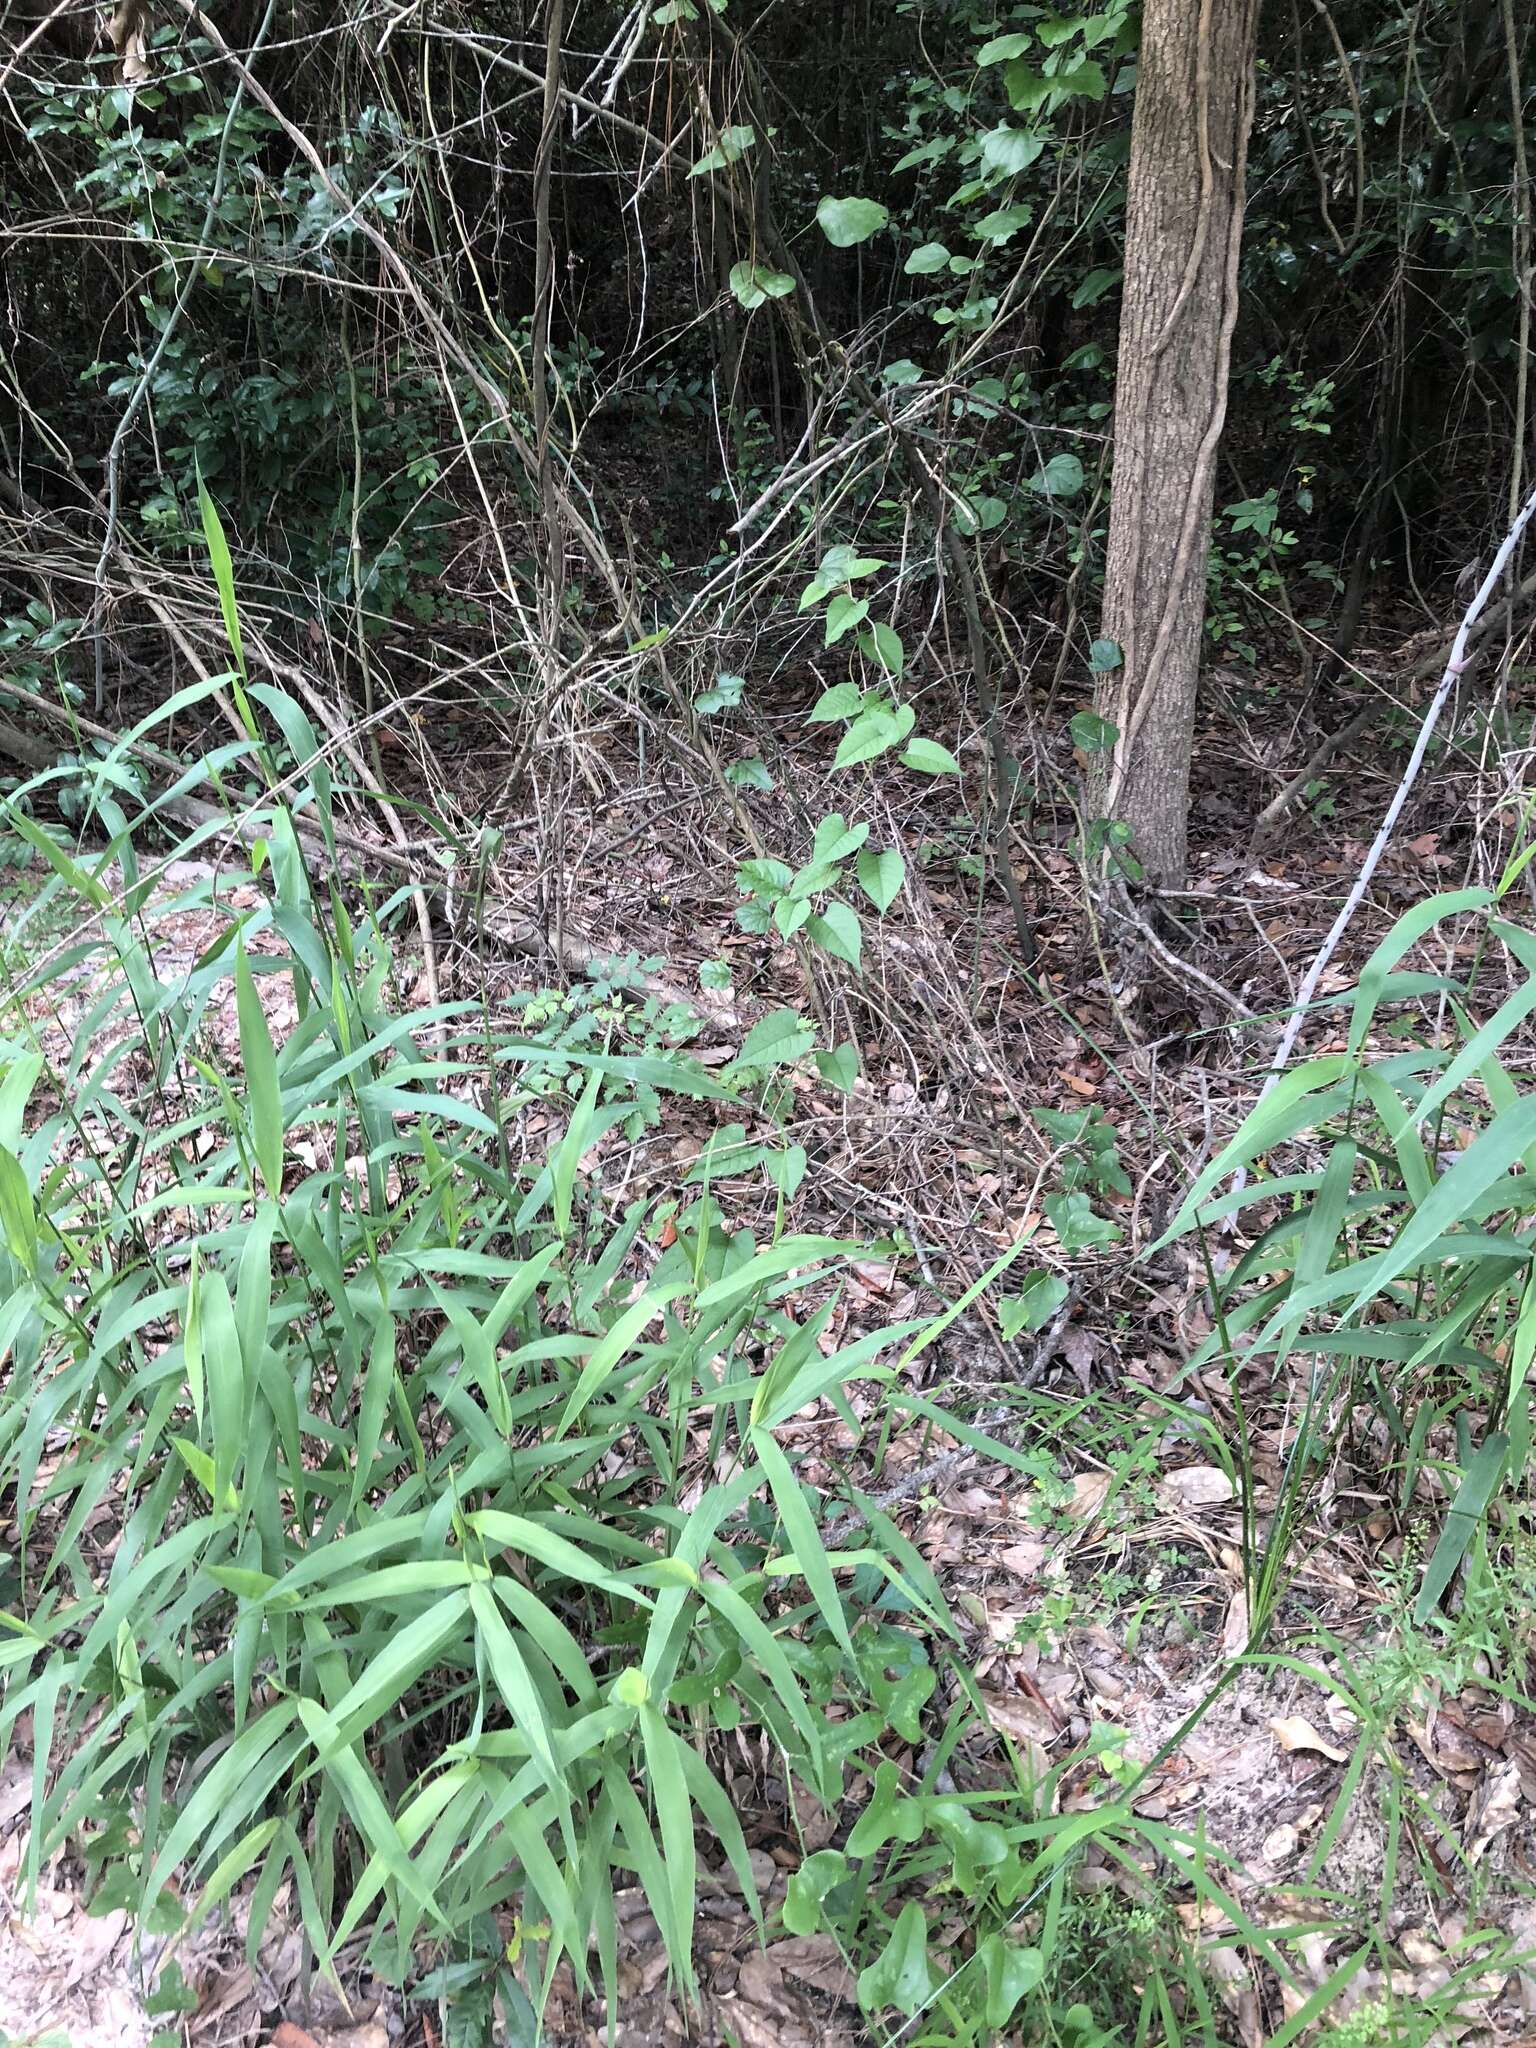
(1357, 1779)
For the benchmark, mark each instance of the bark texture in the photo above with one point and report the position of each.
(1194, 103)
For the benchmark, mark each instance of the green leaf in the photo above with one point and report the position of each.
(843, 700)
(733, 144)
(1040, 1295)
(881, 875)
(847, 221)
(223, 571)
(882, 644)
(902, 371)
(567, 1160)
(1011, 1973)
(18, 1214)
(1093, 288)
(839, 1068)
(875, 731)
(843, 614)
(1104, 656)
(1003, 49)
(259, 1058)
(750, 772)
(809, 1886)
(923, 261)
(900, 1975)
(1003, 223)
(930, 758)
(805, 1542)
(1010, 150)
(776, 1040)
(1077, 1227)
(843, 564)
(752, 284)
(1092, 734)
(1462, 1520)
(724, 696)
(837, 931)
(1062, 477)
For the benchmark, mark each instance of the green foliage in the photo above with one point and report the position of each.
(1402, 1257)
(397, 1450)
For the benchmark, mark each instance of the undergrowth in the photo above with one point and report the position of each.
(406, 1523)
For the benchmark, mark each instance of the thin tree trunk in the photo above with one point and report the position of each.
(1184, 217)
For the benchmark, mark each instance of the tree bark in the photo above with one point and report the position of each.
(1184, 218)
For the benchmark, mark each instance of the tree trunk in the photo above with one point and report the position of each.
(1184, 217)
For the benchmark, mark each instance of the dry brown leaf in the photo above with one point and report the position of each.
(1089, 1490)
(288, 2035)
(1023, 1559)
(1234, 1634)
(1495, 1808)
(1198, 1486)
(1020, 1717)
(1294, 1731)
(816, 1960)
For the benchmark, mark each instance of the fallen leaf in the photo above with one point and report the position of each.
(1089, 1490)
(1024, 1560)
(1235, 1630)
(287, 2035)
(1021, 1717)
(1199, 1486)
(1495, 1808)
(1293, 1732)
(1280, 1844)
(817, 1960)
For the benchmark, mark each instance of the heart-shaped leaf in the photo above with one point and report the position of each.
(847, 221)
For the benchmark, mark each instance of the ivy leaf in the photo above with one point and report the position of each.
(1094, 735)
(904, 371)
(845, 222)
(899, 1975)
(1010, 150)
(733, 145)
(1094, 286)
(776, 1040)
(881, 875)
(1104, 656)
(843, 614)
(838, 932)
(882, 643)
(789, 913)
(1062, 477)
(809, 1886)
(875, 731)
(1011, 1973)
(1037, 1300)
(1027, 90)
(1081, 81)
(843, 700)
(1003, 222)
(844, 564)
(1002, 49)
(725, 695)
(840, 1068)
(933, 151)
(750, 772)
(1077, 1227)
(753, 285)
(930, 758)
(923, 262)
